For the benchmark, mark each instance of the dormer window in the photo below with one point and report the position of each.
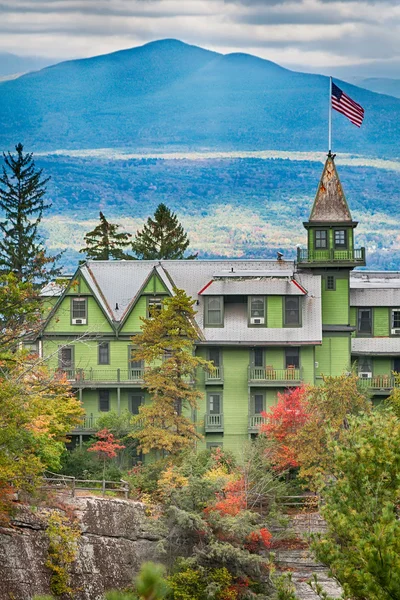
(214, 311)
(340, 238)
(292, 311)
(321, 239)
(257, 310)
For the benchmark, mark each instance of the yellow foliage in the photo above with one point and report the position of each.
(171, 480)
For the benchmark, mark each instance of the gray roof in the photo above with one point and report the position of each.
(267, 286)
(120, 282)
(375, 288)
(382, 345)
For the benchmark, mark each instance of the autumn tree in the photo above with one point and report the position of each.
(166, 345)
(106, 447)
(36, 414)
(105, 242)
(22, 191)
(299, 425)
(162, 237)
(360, 506)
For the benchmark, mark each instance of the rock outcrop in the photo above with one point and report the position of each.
(116, 538)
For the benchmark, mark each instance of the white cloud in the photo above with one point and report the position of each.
(312, 33)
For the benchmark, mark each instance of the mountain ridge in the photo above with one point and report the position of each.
(168, 94)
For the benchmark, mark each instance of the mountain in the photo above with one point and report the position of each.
(12, 64)
(381, 85)
(169, 95)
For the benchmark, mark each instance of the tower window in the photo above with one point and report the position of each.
(330, 282)
(321, 239)
(340, 238)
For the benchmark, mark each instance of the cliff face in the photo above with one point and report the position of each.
(116, 539)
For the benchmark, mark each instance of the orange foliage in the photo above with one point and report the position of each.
(231, 500)
(107, 446)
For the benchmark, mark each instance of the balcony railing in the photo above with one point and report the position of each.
(214, 376)
(357, 255)
(379, 382)
(213, 423)
(89, 423)
(255, 421)
(270, 376)
(84, 376)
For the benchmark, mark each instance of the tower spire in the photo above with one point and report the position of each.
(330, 203)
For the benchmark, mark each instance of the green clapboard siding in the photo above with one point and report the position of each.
(61, 320)
(381, 321)
(333, 357)
(78, 286)
(236, 396)
(155, 286)
(274, 311)
(307, 363)
(335, 304)
(133, 322)
(382, 366)
(275, 357)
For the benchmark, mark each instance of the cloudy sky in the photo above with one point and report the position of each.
(312, 34)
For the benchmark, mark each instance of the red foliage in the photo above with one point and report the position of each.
(283, 421)
(107, 446)
(257, 540)
(231, 500)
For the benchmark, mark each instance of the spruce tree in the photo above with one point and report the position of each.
(162, 237)
(22, 189)
(105, 242)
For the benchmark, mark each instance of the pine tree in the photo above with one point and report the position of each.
(22, 189)
(105, 243)
(162, 237)
(166, 345)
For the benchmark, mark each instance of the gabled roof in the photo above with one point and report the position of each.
(375, 288)
(330, 202)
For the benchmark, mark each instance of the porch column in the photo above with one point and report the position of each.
(119, 400)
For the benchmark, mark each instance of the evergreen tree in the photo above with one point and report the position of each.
(162, 237)
(166, 344)
(105, 242)
(22, 189)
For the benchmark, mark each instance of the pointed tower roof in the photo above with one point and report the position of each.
(330, 202)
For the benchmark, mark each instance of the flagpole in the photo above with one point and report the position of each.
(330, 118)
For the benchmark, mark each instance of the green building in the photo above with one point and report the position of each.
(266, 324)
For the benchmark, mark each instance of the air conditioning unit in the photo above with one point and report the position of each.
(365, 375)
(395, 331)
(78, 321)
(257, 320)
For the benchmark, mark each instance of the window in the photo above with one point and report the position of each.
(396, 318)
(79, 310)
(135, 401)
(104, 353)
(258, 404)
(340, 238)
(104, 400)
(321, 239)
(292, 311)
(214, 311)
(154, 306)
(167, 354)
(257, 310)
(66, 358)
(135, 367)
(258, 357)
(213, 445)
(396, 365)
(214, 402)
(214, 355)
(365, 364)
(292, 358)
(364, 321)
(330, 282)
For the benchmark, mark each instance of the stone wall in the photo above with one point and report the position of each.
(116, 539)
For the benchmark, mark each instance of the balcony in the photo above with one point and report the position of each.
(214, 423)
(350, 258)
(380, 384)
(214, 377)
(270, 377)
(255, 421)
(89, 424)
(103, 377)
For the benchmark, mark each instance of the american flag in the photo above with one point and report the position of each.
(345, 105)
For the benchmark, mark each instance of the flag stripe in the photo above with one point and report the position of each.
(347, 106)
